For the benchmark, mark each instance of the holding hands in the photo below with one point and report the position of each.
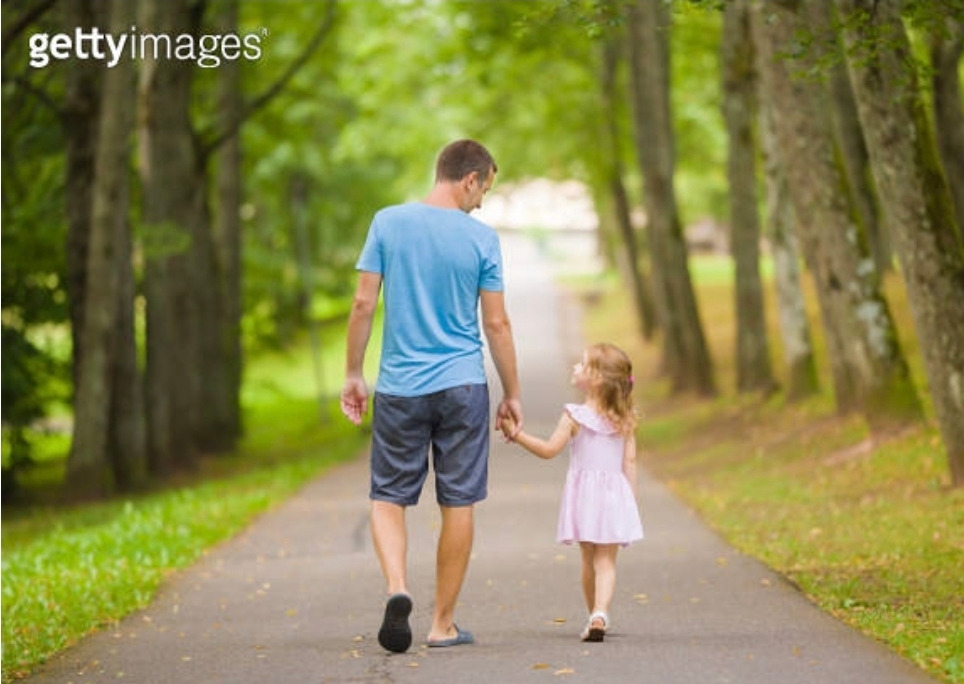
(508, 418)
(509, 428)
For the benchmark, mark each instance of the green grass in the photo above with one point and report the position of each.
(869, 529)
(70, 570)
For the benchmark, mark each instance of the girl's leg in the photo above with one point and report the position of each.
(604, 569)
(588, 573)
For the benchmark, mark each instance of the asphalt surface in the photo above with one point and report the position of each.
(298, 596)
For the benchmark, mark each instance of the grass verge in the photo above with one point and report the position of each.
(69, 571)
(868, 528)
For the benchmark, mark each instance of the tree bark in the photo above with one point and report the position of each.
(168, 173)
(227, 235)
(80, 118)
(948, 115)
(870, 372)
(629, 252)
(211, 424)
(127, 445)
(685, 354)
(794, 324)
(914, 194)
(856, 163)
(89, 472)
(754, 373)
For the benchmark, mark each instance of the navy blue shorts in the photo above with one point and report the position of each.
(454, 423)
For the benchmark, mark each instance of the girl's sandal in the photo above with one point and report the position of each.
(596, 627)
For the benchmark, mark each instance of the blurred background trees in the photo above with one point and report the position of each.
(164, 220)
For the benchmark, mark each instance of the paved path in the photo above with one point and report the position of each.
(297, 597)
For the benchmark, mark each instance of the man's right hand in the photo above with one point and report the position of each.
(354, 399)
(508, 414)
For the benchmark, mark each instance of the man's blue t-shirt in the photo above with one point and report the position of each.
(433, 263)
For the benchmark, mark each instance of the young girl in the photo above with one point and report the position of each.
(598, 507)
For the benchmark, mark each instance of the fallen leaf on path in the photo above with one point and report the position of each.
(541, 666)
(565, 671)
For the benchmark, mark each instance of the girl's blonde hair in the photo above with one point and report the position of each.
(614, 387)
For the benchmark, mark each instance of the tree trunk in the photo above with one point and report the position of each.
(870, 372)
(856, 163)
(686, 356)
(89, 465)
(948, 115)
(794, 325)
(629, 252)
(211, 426)
(80, 125)
(168, 174)
(127, 444)
(227, 235)
(753, 369)
(915, 196)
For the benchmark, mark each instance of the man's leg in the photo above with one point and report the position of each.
(389, 535)
(391, 543)
(454, 549)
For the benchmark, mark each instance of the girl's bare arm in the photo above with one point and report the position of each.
(546, 448)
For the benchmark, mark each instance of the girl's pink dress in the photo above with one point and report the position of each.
(597, 502)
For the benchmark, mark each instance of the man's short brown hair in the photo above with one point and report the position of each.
(462, 157)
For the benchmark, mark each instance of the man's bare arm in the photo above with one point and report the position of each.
(354, 394)
(498, 333)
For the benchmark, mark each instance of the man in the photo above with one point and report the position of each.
(436, 264)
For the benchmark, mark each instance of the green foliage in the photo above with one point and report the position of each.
(300, 175)
(34, 294)
(25, 368)
(701, 144)
(358, 128)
